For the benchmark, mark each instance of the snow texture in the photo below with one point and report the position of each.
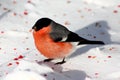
(91, 19)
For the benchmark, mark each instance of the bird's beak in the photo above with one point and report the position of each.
(33, 28)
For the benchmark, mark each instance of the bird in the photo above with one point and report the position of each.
(55, 41)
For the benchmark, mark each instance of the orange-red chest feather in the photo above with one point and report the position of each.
(48, 47)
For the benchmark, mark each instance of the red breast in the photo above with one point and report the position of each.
(48, 47)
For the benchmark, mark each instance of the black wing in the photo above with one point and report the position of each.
(61, 34)
(73, 37)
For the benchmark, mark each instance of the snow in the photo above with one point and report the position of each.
(91, 19)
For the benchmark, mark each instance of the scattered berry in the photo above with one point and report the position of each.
(109, 57)
(15, 58)
(89, 56)
(20, 57)
(9, 64)
(17, 63)
(115, 11)
(25, 13)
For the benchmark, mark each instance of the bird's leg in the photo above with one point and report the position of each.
(63, 61)
(48, 60)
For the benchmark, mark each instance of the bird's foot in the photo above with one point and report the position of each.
(62, 62)
(48, 60)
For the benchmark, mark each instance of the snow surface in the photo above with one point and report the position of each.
(91, 19)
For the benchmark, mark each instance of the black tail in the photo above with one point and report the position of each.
(73, 37)
(90, 42)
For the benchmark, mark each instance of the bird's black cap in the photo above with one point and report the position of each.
(43, 22)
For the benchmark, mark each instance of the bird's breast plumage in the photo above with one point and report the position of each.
(48, 47)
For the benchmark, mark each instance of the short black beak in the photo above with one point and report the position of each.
(34, 27)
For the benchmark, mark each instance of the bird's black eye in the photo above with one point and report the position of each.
(43, 22)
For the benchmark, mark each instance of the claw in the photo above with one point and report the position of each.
(48, 60)
(63, 61)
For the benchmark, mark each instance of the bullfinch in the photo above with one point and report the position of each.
(55, 41)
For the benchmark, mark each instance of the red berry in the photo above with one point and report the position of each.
(25, 13)
(109, 57)
(9, 64)
(115, 11)
(20, 57)
(89, 56)
(15, 58)
(17, 63)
